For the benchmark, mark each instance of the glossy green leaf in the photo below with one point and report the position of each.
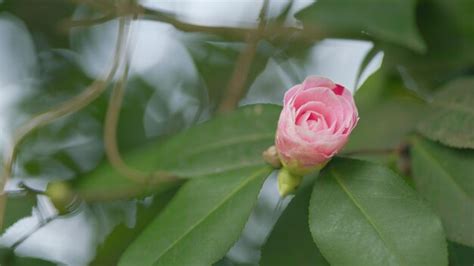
(18, 206)
(290, 241)
(202, 221)
(225, 143)
(362, 213)
(122, 236)
(387, 20)
(451, 120)
(445, 177)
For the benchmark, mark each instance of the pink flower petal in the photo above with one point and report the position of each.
(315, 123)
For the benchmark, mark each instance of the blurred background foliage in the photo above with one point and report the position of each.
(181, 74)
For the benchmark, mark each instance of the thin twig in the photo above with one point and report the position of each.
(71, 106)
(274, 30)
(110, 11)
(67, 24)
(233, 33)
(236, 86)
(110, 130)
(110, 136)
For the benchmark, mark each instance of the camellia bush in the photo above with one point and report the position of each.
(379, 175)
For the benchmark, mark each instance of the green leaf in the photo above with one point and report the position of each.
(228, 262)
(202, 221)
(449, 54)
(46, 21)
(451, 120)
(387, 20)
(362, 213)
(461, 12)
(225, 143)
(290, 242)
(444, 177)
(460, 255)
(122, 236)
(379, 100)
(18, 206)
(228, 142)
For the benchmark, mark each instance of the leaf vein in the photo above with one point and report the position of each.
(364, 213)
(256, 174)
(437, 164)
(228, 142)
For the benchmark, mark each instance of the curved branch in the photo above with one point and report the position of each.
(110, 136)
(110, 131)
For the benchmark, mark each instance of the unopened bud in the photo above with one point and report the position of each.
(62, 197)
(287, 182)
(270, 156)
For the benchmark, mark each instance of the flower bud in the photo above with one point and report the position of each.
(270, 156)
(287, 182)
(317, 118)
(62, 197)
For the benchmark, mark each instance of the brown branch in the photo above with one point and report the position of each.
(236, 84)
(71, 106)
(274, 30)
(110, 137)
(232, 33)
(236, 87)
(68, 24)
(110, 131)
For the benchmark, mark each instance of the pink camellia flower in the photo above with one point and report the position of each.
(315, 123)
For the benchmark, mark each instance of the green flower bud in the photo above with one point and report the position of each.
(62, 197)
(288, 183)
